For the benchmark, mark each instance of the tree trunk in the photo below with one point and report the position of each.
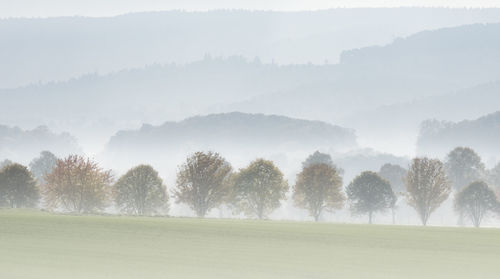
(370, 217)
(317, 215)
(460, 221)
(260, 215)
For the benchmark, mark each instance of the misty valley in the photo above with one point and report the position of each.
(231, 143)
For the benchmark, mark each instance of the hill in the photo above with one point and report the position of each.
(424, 65)
(482, 134)
(55, 49)
(401, 121)
(129, 98)
(236, 135)
(59, 247)
(386, 91)
(21, 145)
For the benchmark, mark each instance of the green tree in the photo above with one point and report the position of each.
(321, 158)
(494, 177)
(427, 186)
(141, 191)
(202, 182)
(43, 165)
(318, 189)
(77, 184)
(18, 187)
(463, 166)
(395, 174)
(475, 201)
(259, 189)
(369, 193)
(5, 163)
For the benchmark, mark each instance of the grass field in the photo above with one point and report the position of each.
(42, 245)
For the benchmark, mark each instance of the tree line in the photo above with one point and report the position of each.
(206, 181)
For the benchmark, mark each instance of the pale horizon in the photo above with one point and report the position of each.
(93, 8)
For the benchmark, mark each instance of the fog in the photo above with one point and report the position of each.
(367, 86)
(54, 8)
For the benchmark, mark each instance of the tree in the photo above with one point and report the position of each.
(5, 163)
(318, 188)
(317, 158)
(369, 193)
(18, 187)
(475, 201)
(494, 177)
(321, 158)
(463, 166)
(259, 189)
(77, 185)
(43, 165)
(202, 182)
(141, 191)
(427, 186)
(395, 174)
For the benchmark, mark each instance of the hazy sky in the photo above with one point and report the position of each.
(47, 8)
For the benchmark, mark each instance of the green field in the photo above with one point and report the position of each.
(42, 245)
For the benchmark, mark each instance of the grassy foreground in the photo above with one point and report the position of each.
(41, 245)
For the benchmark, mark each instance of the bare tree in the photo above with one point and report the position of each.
(369, 193)
(202, 182)
(259, 189)
(18, 187)
(77, 185)
(475, 201)
(141, 191)
(318, 188)
(427, 186)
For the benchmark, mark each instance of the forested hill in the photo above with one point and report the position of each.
(50, 49)
(450, 57)
(21, 146)
(128, 98)
(238, 129)
(240, 135)
(426, 64)
(482, 134)
(457, 58)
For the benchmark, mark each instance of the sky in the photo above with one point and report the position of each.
(51, 8)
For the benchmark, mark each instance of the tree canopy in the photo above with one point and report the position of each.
(494, 177)
(475, 201)
(77, 184)
(463, 166)
(427, 186)
(141, 191)
(318, 188)
(18, 187)
(259, 189)
(202, 182)
(321, 158)
(369, 193)
(43, 165)
(395, 174)
(5, 163)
